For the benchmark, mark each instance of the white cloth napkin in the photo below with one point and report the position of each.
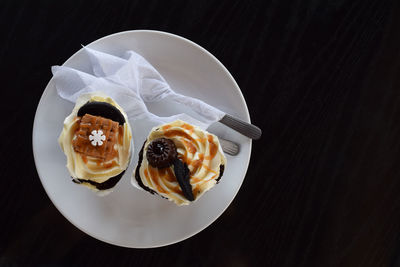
(132, 82)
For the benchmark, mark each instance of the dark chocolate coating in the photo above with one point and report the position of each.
(221, 172)
(137, 175)
(110, 183)
(102, 109)
(161, 153)
(182, 175)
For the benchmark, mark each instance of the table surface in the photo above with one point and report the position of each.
(321, 79)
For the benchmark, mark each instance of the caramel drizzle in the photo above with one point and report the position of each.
(155, 175)
(166, 174)
(195, 191)
(156, 179)
(166, 127)
(110, 164)
(174, 133)
(197, 163)
(213, 147)
(120, 135)
(101, 165)
(189, 146)
(81, 143)
(188, 127)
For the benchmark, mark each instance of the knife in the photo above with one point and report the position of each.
(229, 147)
(241, 126)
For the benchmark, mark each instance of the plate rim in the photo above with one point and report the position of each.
(46, 91)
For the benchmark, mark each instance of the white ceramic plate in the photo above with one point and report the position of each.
(129, 217)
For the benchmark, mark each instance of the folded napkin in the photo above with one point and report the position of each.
(133, 83)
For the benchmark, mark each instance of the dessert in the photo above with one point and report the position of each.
(96, 138)
(179, 162)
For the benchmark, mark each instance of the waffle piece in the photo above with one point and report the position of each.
(82, 143)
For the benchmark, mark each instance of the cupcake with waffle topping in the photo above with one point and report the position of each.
(179, 162)
(97, 141)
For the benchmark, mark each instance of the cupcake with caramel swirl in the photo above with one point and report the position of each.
(179, 162)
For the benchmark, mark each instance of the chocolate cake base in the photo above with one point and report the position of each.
(137, 175)
(110, 183)
(102, 109)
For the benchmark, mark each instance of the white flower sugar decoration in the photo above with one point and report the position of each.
(97, 137)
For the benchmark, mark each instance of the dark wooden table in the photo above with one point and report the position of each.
(320, 77)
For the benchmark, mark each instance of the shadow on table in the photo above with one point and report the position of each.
(47, 235)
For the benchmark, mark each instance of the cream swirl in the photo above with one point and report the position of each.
(197, 148)
(91, 168)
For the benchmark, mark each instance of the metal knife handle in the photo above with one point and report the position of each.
(242, 127)
(229, 147)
